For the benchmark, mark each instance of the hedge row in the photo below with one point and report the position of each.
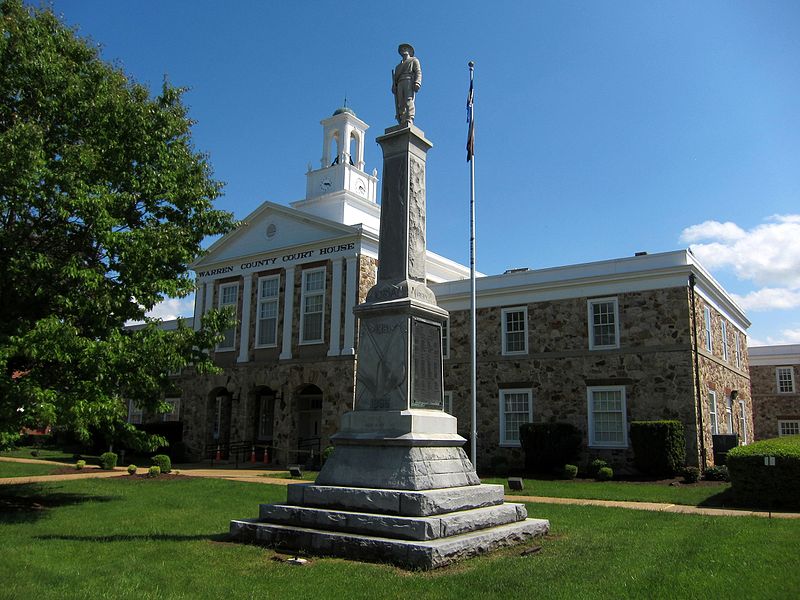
(758, 485)
(659, 447)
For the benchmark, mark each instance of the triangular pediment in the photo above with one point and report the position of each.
(271, 228)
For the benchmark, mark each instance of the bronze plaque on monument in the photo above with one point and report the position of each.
(426, 365)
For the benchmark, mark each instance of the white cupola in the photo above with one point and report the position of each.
(341, 190)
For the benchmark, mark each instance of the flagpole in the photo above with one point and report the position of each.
(473, 348)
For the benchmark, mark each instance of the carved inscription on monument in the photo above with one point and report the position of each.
(393, 244)
(426, 366)
(381, 375)
(416, 219)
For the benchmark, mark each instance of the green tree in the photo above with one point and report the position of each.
(103, 203)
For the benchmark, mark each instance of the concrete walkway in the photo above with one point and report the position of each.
(261, 475)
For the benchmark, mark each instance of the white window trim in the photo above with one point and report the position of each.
(729, 416)
(446, 338)
(529, 392)
(745, 438)
(607, 388)
(303, 295)
(778, 380)
(590, 314)
(259, 300)
(448, 403)
(712, 403)
(707, 327)
(235, 306)
(724, 332)
(782, 421)
(503, 332)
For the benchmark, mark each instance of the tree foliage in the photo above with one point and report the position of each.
(103, 203)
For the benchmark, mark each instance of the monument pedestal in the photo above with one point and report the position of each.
(398, 486)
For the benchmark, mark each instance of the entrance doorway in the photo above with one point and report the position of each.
(309, 419)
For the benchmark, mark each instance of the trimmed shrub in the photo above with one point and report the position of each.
(596, 465)
(690, 474)
(605, 474)
(108, 460)
(659, 447)
(326, 454)
(717, 473)
(570, 472)
(154, 471)
(755, 484)
(163, 462)
(80, 464)
(132, 469)
(548, 446)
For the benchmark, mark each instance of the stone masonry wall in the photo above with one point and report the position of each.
(770, 406)
(653, 363)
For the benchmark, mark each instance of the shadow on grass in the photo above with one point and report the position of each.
(27, 503)
(723, 499)
(138, 537)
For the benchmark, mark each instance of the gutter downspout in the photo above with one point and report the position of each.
(701, 429)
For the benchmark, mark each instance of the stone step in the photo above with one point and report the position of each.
(410, 503)
(390, 526)
(412, 554)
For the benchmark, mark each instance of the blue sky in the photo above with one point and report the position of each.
(603, 128)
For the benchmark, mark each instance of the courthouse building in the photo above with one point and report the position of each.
(597, 345)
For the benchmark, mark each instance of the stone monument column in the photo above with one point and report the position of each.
(398, 487)
(398, 435)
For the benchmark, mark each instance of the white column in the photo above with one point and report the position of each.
(244, 337)
(209, 297)
(349, 305)
(288, 312)
(199, 308)
(336, 307)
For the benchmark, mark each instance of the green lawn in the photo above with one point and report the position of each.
(14, 469)
(703, 494)
(45, 454)
(165, 538)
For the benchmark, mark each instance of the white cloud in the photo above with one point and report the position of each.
(768, 255)
(769, 299)
(713, 230)
(172, 308)
(787, 336)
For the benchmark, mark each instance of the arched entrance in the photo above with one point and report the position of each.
(309, 419)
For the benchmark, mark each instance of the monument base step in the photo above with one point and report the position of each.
(408, 503)
(413, 554)
(396, 527)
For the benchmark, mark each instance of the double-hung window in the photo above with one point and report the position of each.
(707, 324)
(135, 413)
(785, 377)
(229, 297)
(712, 412)
(175, 409)
(729, 416)
(724, 334)
(312, 316)
(516, 408)
(267, 324)
(743, 423)
(515, 330)
(789, 427)
(603, 323)
(608, 421)
(738, 341)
